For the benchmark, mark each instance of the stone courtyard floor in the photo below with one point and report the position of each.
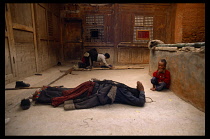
(167, 115)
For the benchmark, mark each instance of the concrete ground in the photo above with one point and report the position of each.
(167, 115)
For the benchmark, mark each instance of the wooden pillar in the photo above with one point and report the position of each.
(116, 32)
(34, 35)
(11, 40)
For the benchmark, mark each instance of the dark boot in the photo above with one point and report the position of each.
(21, 84)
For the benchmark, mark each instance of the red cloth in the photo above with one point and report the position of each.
(163, 77)
(73, 93)
(83, 59)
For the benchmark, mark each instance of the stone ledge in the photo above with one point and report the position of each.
(180, 45)
(170, 49)
(183, 49)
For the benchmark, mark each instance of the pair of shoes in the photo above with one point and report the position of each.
(69, 106)
(21, 84)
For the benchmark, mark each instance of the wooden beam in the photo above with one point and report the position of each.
(11, 41)
(115, 68)
(22, 27)
(118, 68)
(28, 87)
(34, 36)
(69, 71)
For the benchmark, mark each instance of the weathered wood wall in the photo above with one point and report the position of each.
(32, 38)
(47, 21)
(20, 37)
(117, 26)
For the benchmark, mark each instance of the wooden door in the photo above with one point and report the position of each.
(23, 38)
(73, 40)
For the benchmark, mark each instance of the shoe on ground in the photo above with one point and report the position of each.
(21, 84)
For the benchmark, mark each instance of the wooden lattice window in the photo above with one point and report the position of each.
(95, 20)
(143, 29)
(94, 29)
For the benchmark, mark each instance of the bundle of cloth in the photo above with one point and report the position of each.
(153, 43)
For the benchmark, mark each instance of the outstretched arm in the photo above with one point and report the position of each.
(104, 61)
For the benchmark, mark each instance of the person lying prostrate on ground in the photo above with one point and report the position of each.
(90, 94)
(109, 92)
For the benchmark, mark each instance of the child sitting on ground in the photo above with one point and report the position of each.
(161, 77)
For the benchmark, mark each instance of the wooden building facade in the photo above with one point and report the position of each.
(116, 28)
(38, 35)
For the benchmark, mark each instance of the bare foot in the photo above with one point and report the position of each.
(140, 87)
(153, 89)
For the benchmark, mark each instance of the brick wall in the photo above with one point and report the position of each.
(190, 22)
(194, 23)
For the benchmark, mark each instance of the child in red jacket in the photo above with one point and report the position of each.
(161, 77)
